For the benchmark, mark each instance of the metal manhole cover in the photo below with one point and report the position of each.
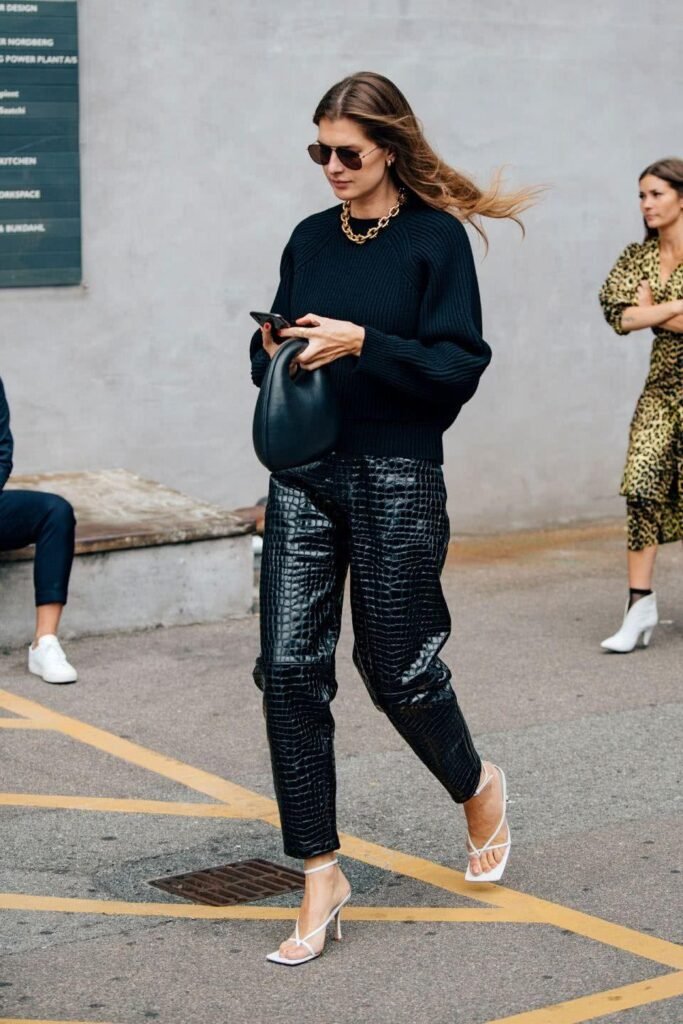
(241, 882)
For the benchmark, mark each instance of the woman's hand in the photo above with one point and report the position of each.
(327, 339)
(644, 296)
(268, 339)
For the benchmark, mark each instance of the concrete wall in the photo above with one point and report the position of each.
(194, 123)
(166, 585)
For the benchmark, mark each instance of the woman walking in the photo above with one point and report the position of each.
(383, 289)
(645, 290)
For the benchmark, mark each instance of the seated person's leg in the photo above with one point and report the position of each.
(46, 520)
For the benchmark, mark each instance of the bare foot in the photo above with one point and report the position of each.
(324, 891)
(483, 813)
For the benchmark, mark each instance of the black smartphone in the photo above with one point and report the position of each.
(276, 321)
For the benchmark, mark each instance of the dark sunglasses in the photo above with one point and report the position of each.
(321, 154)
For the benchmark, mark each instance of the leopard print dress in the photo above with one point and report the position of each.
(653, 476)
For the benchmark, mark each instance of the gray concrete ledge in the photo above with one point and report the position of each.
(116, 509)
(146, 556)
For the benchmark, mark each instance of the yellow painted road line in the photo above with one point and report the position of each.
(248, 804)
(32, 1020)
(470, 915)
(602, 1004)
(118, 806)
(628, 939)
(69, 905)
(542, 911)
(21, 723)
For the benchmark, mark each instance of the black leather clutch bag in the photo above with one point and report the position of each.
(297, 415)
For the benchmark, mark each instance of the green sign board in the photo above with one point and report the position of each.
(40, 201)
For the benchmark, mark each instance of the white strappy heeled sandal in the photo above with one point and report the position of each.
(335, 916)
(496, 873)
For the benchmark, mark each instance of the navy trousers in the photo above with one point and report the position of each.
(48, 521)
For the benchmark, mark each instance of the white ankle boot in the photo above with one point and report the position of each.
(640, 618)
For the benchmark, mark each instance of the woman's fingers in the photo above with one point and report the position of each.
(644, 293)
(295, 332)
(314, 351)
(313, 360)
(269, 343)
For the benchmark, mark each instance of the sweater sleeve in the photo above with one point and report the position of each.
(619, 290)
(6, 443)
(444, 362)
(281, 304)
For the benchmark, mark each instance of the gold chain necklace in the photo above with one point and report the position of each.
(375, 230)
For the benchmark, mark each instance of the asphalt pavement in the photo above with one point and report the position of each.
(155, 763)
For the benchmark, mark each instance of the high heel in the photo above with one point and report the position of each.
(640, 619)
(313, 954)
(496, 873)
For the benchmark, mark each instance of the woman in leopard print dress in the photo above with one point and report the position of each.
(645, 290)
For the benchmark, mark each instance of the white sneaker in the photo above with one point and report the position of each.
(48, 661)
(640, 618)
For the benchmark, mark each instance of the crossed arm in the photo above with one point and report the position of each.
(668, 315)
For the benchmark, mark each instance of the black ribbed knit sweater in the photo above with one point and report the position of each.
(414, 290)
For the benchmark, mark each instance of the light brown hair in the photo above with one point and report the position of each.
(384, 114)
(669, 169)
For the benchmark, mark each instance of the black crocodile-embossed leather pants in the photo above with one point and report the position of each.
(385, 519)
